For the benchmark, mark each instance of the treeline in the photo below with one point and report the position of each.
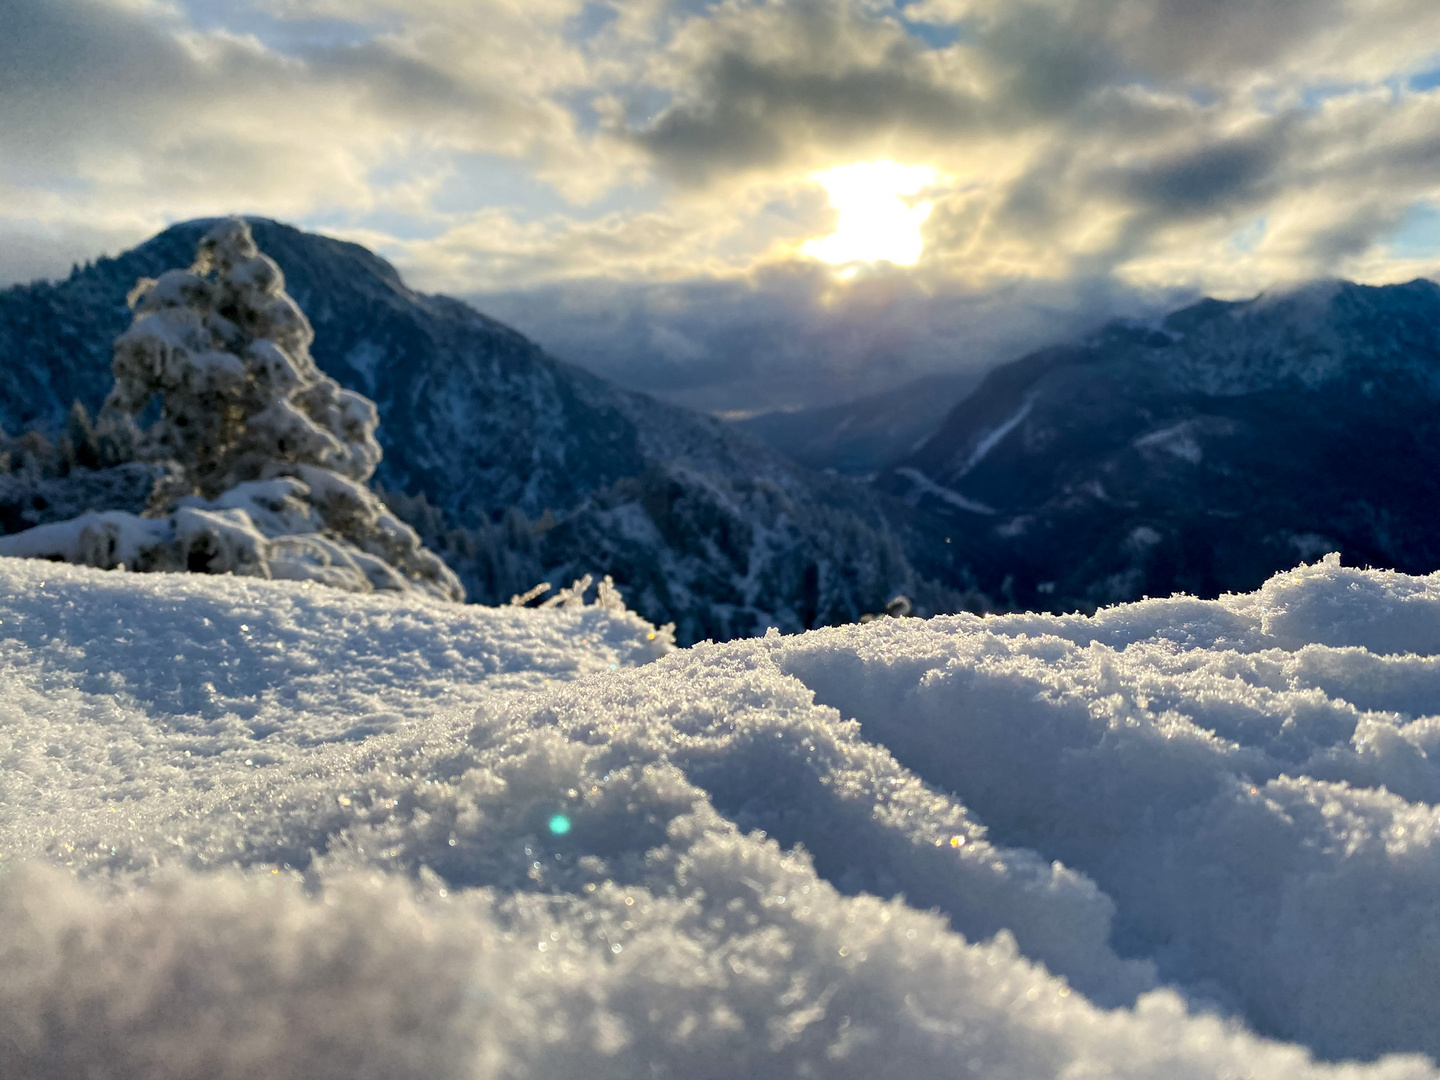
(83, 444)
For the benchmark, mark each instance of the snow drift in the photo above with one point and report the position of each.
(315, 834)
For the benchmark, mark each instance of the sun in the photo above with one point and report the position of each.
(875, 223)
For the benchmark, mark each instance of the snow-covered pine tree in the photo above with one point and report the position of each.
(228, 352)
(269, 457)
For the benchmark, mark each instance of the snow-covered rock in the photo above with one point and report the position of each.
(316, 834)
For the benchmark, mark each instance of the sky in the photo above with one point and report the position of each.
(748, 203)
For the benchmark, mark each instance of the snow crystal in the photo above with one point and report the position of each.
(319, 834)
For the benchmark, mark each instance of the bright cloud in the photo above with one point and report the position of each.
(875, 222)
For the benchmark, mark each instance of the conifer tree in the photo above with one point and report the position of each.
(266, 458)
(228, 352)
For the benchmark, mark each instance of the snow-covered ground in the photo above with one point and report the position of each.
(266, 829)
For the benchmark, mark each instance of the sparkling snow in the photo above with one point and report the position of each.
(254, 828)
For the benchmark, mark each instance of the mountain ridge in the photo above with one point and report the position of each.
(862, 436)
(485, 425)
(1200, 452)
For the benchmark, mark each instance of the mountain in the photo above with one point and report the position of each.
(861, 437)
(1199, 453)
(518, 466)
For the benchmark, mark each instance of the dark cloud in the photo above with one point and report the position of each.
(776, 83)
(1075, 45)
(784, 87)
(51, 46)
(1352, 237)
(1226, 175)
(771, 84)
(1044, 67)
(396, 84)
(1183, 39)
(1413, 157)
(81, 75)
(85, 84)
(70, 68)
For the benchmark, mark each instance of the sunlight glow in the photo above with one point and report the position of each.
(876, 223)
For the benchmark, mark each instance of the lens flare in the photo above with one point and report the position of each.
(875, 223)
(559, 824)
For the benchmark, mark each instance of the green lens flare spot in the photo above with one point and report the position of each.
(559, 824)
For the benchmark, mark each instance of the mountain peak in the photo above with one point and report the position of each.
(1202, 453)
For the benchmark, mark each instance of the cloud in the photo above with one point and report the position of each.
(788, 336)
(658, 155)
(758, 86)
(131, 106)
(1204, 179)
(129, 114)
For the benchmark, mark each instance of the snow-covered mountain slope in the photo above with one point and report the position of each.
(861, 437)
(697, 524)
(1201, 453)
(313, 834)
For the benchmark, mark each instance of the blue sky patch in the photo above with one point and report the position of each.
(282, 35)
(1418, 234)
(1249, 237)
(592, 20)
(934, 37)
(486, 180)
(1425, 80)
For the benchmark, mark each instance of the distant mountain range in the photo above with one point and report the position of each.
(1198, 453)
(861, 437)
(518, 466)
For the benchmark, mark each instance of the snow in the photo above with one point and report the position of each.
(923, 485)
(1177, 439)
(264, 828)
(109, 537)
(993, 439)
(261, 528)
